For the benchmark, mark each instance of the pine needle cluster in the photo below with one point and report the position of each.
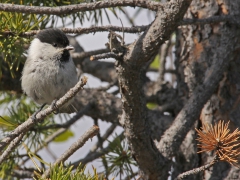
(218, 138)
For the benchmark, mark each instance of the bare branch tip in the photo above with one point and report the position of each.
(84, 80)
(96, 128)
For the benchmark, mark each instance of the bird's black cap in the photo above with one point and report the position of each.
(53, 36)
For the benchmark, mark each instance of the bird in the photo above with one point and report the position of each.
(49, 71)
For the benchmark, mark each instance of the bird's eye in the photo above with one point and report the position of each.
(55, 44)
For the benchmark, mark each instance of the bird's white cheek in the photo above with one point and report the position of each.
(42, 51)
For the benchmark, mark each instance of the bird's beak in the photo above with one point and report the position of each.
(69, 48)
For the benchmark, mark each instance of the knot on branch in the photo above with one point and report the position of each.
(114, 44)
(117, 48)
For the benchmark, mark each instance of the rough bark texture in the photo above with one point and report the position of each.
(203, 45)
(204, 87)
(134, 116)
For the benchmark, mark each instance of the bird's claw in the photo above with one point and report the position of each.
(53, 105)
(35, 114)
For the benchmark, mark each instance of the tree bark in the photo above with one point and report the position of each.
(202, 46)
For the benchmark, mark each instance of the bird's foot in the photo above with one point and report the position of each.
(35, 114)
(53, 105)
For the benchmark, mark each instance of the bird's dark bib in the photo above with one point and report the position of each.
(65, 56)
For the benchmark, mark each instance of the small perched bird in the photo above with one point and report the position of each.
(49, 71)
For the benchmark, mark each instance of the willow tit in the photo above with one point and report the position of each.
(49, 71)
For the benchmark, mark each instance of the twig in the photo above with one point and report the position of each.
(11, 147)
(108, 132)
(74, 147)
(111, 84)
(63, 127)
(134, 29)
(106, 56)
(93, 29)
(90, 157)
(122, 43)
(131, 176)
(163, 57)
(24, 127)
(94, 155)
(196, 170)
(100, 140)
(70, 9)
(21, 174)
(67, 124)
(83, 55)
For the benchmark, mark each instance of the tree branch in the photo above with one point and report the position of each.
(105, 105)
(70, 9)
(11, 147)
(70, 122)
(83, 55)
(24, 127)
(21, 174)
(90, 157)
(108, 132)
(63, 127)
(74, 147)
(79, 31)
(134, 116)
(196, 170)
(134, 29)
(184, 121)
(94, 29)
(105, 56)
(94, 155)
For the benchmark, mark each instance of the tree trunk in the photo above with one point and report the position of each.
(200, 47)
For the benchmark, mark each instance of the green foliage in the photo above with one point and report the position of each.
(13, 44)
(66, 173)
(7, 166)
(64, 136)
(19, 109)
(156, 62)
(7, 123)
(151, 105)
(119, 158)
(12, 25)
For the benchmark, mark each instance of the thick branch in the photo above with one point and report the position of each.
(134, 116)
(184, 121)
(105, 105)
(165, 23)
(70, 9)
